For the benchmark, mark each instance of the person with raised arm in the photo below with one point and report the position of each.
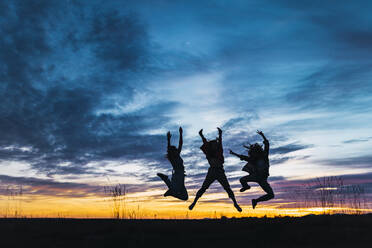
(213, 151)
(258, 168)
(176, 186)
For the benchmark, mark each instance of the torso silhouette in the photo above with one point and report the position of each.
(177, 163)
(262, 167)
(258, 165)
(214, 156)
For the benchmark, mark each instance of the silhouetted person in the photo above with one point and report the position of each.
(213, 150)
(258, 169)
(177, 183)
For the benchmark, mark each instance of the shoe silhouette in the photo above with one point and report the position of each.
(192, 205)
(254, 203)
(245, 188)
(237, 207)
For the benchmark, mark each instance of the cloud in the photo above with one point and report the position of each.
(120, 41)
(289, 148)
(356, 140)
(72, 73)
(48, 187)
(357, 162)
(348, 179)
(330, 87)
(57, 114)
(304, 192)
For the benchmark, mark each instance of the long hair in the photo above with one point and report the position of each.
(254, 150)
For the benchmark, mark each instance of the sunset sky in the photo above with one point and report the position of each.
(90, 88)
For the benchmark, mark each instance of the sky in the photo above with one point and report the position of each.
(90, 88)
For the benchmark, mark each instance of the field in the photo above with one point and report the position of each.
(309, 231)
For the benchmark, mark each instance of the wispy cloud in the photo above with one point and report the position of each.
(83, 85)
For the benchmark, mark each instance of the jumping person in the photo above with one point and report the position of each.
(177, 184)
(213, 150)
(258, 169)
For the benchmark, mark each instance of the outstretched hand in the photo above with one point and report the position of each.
(231, 152)
(180, 130)
(260, 132)
(201, 132)
(219, 130)
(169, 135)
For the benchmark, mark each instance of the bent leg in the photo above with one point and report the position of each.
(182, 195)
(269, 191)
(178, 185)
(165, 179)
(250, 178)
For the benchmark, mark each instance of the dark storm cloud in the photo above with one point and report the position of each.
(57, 116)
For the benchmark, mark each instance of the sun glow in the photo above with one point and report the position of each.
(134, 207)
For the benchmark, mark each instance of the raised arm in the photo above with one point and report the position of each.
(233, 153)
(220, 138)
(169, 139)
(266, 142)
(242, 157)
(180, 141)
(219, 135)
(202, 136)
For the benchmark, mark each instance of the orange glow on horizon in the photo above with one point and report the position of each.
(98, 207)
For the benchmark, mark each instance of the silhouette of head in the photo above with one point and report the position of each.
(255, 150)
(172, 152)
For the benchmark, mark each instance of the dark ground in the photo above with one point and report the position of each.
(310, 231)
